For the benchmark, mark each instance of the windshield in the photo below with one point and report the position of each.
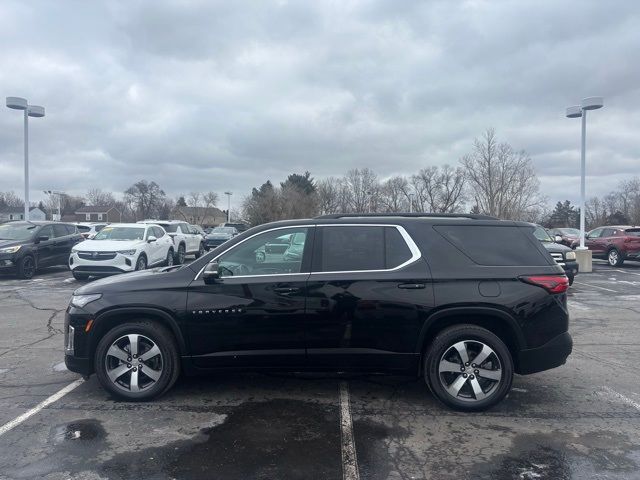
(17, 231)
(120, 233)
(569, 231)
(226, 230)
(542, 235)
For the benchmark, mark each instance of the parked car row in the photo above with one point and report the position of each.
(614, 243)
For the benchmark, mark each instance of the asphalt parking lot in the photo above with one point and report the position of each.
(579, 421)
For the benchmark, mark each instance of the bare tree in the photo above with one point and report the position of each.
(146, 199)
(439, 189)
(96, 197)
(329, 195)
(394, 195)
(502, 182)
(362, 190)
(10, 199)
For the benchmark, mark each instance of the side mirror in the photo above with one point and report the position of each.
(42, 238)
(151, 239)
(558, 238)
(211, 273)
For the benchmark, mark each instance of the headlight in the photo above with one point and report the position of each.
(10, 249)
(570, 255)
(127, 252)
(81, 300)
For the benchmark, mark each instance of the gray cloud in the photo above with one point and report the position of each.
(223, 95)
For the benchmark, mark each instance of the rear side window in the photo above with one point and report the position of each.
(493, 245)
(83, 228)
(71, 230)
(60, 230)
(355, 248)
(633, 232)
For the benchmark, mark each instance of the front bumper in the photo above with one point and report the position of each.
(77, 358)
(570, 268)
(7, 261)
(119, 264)
(550, 355)
(210, 243)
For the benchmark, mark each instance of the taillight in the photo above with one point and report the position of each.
(551, 283)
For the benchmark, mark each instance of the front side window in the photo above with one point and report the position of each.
(595, 233)
(251, 257)
(360, 248)
(46, 232)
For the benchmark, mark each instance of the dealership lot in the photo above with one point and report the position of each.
(578, 421)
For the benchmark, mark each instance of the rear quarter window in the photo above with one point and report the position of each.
(495, 245)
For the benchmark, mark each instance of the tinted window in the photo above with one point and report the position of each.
(396, 249)
(71, 230)
(99, 227)
(493, 245)
(60, 230)
(170, 227)
(595, 233)
(83, 228)
(607, 232)
(46, 232)
(634, 232)
(352, 248)
(158, 232)
(251, 258)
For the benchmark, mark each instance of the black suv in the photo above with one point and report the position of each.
(435, 296)
(563, 255)
(27, 246)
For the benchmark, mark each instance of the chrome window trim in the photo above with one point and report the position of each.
(416, 254)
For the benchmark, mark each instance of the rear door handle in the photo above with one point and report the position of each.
(286, 289)
(412, 286)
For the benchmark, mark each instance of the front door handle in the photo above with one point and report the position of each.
(412, 286)
(286, 289)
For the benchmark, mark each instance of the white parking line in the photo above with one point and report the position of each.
(623, 398)
(349, 458)
(595, 286)
(626, 271)
(29, 413)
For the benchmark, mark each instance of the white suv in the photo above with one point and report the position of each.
(184, 241)
(121, 247)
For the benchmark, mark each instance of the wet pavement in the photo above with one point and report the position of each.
(579, 421)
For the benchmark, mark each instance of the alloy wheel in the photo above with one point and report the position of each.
(133, 363)
(181, 255)
(141, 264)
(28, 267)
(613, 258)
(470, 371)
(170, 259)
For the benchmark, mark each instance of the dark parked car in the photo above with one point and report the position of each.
(434, 296)
(565, 236)
(615, 244)
(240, 227)
(563, 255)
(26, 247)
(218, 236)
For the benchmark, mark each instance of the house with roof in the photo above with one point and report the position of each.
(8, 214)
(97, 213)
(203, 216)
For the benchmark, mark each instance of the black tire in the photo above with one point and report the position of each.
(80, 276)
(26, 267)
(178, 258)
(168, 262)
(466, 400)
(571, 278)
(170, 360)
(141, 262)
(614, 258)
(200, 251)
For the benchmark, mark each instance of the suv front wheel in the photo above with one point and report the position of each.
(468, 368)
(137, 361)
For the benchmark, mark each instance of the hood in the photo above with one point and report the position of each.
(218, 236)
(107, 245)
(13, 243)
(124, 281)
(556, 247)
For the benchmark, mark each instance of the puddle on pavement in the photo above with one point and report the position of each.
(78, 432)
(274, 439)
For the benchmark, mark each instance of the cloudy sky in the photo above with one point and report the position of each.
(204, 95)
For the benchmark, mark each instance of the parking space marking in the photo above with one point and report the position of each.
(349, 458)
(596, 286)
(623, 398)
(626, 271)
(29, 413)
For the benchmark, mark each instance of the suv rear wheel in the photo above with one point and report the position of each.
(137, 361)
(468, 368)
(180, 254)
(614, 258)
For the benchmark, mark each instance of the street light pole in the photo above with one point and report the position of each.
(18, 103)
(583, 254)
(228, 194)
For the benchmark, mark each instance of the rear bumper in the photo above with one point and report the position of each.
(550, 355)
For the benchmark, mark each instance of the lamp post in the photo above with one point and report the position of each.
(59, 195)
(228, 194)
(580, 111)
(18, 103)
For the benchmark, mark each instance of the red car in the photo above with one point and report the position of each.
(567, 236)
(613, 243)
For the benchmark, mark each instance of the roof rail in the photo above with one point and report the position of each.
(471, 216)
